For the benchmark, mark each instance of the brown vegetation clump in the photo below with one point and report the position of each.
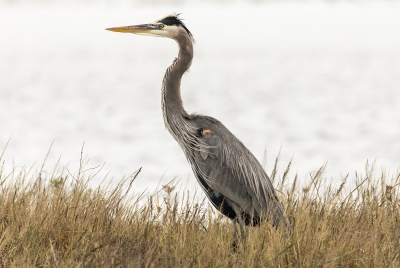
(61, 221)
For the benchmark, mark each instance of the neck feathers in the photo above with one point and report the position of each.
(171, 94)
(176, 119)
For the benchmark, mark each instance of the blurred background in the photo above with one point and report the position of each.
(318, 81)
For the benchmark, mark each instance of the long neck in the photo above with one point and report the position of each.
(172, 105)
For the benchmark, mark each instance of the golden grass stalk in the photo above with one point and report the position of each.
(60, 221)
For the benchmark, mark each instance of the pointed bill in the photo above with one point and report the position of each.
(136, 29)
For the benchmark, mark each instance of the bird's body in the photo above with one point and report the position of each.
(232, 178)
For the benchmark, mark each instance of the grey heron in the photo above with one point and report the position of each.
(231, 177)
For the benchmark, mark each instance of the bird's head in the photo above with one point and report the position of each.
(169, 26)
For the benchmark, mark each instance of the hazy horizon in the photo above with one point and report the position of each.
(320, 82)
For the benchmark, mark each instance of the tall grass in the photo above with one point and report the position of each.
(60, 221)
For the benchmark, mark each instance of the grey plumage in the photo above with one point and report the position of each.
(232, 178)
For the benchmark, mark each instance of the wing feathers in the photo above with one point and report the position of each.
(231, 169)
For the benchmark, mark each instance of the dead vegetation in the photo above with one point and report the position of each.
(61, 221)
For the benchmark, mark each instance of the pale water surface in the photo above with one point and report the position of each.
(319, 81)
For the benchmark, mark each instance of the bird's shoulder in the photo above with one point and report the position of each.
(204, 119)
(219, 142)
(212, 128)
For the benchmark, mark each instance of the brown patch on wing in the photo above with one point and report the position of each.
(206, 132)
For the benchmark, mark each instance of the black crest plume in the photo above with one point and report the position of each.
(173, 19)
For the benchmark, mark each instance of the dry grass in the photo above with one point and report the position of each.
(60, 221)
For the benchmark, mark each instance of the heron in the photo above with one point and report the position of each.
(233, 179)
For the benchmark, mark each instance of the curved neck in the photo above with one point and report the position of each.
(171, 89)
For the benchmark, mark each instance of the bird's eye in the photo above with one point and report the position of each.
(161, 26)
